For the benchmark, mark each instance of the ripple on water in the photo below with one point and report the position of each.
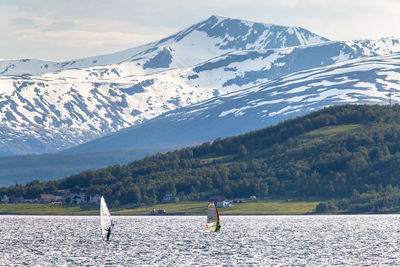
(177, 240)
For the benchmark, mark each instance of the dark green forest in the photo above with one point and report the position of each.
(349, 154)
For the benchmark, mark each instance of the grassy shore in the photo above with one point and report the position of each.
(44, 209)
(272, 207)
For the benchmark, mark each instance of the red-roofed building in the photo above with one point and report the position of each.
(220, 201)
(47, 198)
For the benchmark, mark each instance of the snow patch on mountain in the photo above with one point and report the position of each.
(383, 46)
(48, 106)
(360, 81)
(196, 44)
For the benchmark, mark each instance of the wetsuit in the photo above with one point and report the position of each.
(109, 233)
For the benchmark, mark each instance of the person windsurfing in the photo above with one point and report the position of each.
(108, 233)
(109, 230)
(218, 227)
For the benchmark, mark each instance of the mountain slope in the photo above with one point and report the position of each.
(340, 151)
(59, 110)
(21, 169)
(47, 107)
(366, 80)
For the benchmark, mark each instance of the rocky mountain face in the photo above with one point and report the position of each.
(372, 80)
(48, 106)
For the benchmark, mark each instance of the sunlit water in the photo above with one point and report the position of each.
(184, 241)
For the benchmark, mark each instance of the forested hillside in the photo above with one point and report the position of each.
(339, 152)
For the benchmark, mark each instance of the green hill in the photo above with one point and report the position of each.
(25, 168)
(349, 154)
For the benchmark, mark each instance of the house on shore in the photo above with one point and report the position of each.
(170, 198)
(5, 199)
(47, 198)
(59, 197)
(220, 201)
(16, 199)
(95, 199)
(158, 212)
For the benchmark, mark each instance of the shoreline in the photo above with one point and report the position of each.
(193, 215)
(187, 208)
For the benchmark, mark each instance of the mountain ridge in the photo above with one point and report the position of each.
(58, 110)
(365, 80)
(207, 26)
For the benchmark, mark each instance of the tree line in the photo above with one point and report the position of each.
(372, 200)
(327, 153)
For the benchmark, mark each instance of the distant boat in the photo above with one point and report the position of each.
(106, 222)
(213, 217)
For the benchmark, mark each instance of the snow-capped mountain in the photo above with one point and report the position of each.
(198, 43)
(47, 106)
(360, 81)
(383, 46)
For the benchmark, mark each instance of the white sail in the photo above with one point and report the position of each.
(105, 218)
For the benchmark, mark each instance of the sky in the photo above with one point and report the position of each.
(60, 30)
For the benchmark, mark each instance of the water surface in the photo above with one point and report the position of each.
(367, 240)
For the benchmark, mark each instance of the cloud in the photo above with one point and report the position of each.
(81, 39)
(22, 21)
(62, 25)
(74, 44)
(44, 24)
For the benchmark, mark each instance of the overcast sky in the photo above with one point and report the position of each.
(68, 29)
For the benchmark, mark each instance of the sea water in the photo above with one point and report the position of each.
(365, 240)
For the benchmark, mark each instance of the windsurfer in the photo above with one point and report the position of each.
(218, 227)
(108, 233)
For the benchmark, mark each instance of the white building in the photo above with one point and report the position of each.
(170, 198)
(226, 203)
(95, 199)
(5, 199)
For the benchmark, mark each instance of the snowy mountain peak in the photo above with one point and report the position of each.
(244, 35)
(48, 106)
(194, 45)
